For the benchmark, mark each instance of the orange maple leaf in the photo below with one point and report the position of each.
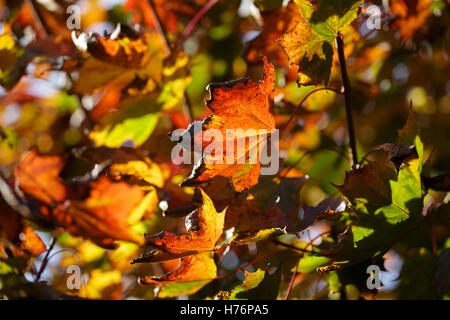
(39, 177)
(102, 217)
(193, 273)
(238, 105)
(204, 225)
(31, 242)
(192, 268)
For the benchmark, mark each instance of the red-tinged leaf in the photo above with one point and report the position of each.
(204, 226)
(31, 242)
(193, 273)
(116, 60)
(103, 216)
(237, 105)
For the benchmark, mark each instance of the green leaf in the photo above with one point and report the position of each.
(267, 288)
(387, 206)
(376, 190)
(252, 280)
(136, 130)
(174, 289)
(308, 263)
(309, 44)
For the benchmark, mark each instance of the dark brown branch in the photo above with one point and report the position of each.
(347, 97)
(45, 261)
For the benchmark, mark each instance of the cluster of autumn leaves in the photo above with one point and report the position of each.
(140, 81)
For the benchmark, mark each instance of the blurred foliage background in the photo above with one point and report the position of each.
(49, 103)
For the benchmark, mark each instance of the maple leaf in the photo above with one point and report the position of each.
(39, 177)
(377, 188)
(328, 207)
(204, 228)
(111, 207)
(252, 280)
(270, 208)
(240, 105)
(193, 273)
(386, 205)
(309, 44)
(408, 144)
(117, 59)
(270, 204)
(310, 263)
(267, 289)
(136, 78)
(125, 163)
(104, 216)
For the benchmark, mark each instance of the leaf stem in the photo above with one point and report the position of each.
(301, 104)
(347, 96)
(278, 242)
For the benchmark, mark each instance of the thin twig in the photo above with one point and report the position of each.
(347, 96)
(250, 263)
(301, 103)
(45, 261)
(278, 242)
(191, 25)
(291, 283)
(285, 173)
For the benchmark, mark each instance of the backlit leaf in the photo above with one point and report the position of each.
(309, 44)
(241, 104)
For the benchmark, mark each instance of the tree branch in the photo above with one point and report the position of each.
(45, 261)
(347, 96)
